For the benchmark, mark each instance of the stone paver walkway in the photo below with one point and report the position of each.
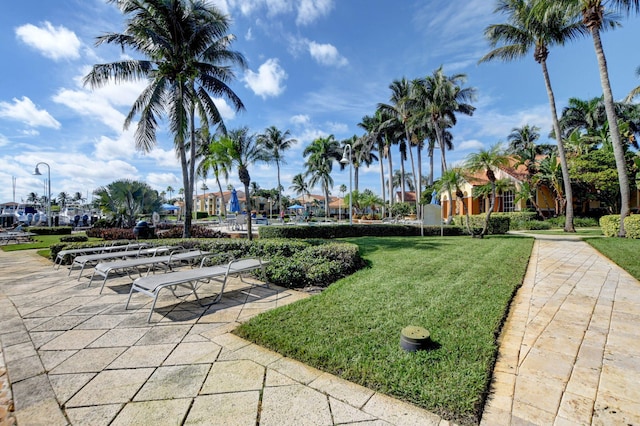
(77, 357)
(570, 349)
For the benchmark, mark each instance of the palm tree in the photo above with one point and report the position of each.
(523, 31)
(244, 150)
(523, 138)
(452, 181)
(63, 198)
(125, 200)
(215, 158)
(170, 190)
(276, 142)
(443, 98)
(374, 138)
(187, 47)
(32, 198)
(595, 17)
(487, 160)
(321, 154)
(300, 186)
(635, 91)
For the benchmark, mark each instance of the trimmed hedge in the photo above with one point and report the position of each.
(350, 231)
(293, 263)
(74, 239)
(54, 230)
(610, 225)
(632, 226)
(498, 224)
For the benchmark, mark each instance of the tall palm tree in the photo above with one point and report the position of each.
(487, 160)
(523, 31)
(276, 142)
(595, 16)
(215, 158)
(375, 139)
(186, 46)
(523, 138)
(63, 198)
(299, 185)
(443, 98)
(452, 181)
(244, 150)
(321, 153)
(170, 190)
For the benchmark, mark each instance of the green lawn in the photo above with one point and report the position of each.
(457, 287)
(42, 242)
(623, 251)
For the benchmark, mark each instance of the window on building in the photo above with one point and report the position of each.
(507, 198)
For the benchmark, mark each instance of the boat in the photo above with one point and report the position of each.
(23, 213)
(75, 215)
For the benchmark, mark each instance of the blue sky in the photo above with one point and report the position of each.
(316, 67)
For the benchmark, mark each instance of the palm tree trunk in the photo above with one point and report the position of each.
(356, 169)
(443, 157)
(419, 181)
(568, 224)
(492, 205)
(413, 173)
(382, 190)
(618, 148)
(450, 208)
(431, 149)
(223, 208)
(391, 198)
(279, 189)
(402, 174)
(248, 203)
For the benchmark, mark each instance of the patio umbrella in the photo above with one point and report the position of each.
(234, 204)
(169, 207)
(295, 207)
(434, 197)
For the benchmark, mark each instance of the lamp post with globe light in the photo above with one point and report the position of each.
(37, 173)
(347, 159)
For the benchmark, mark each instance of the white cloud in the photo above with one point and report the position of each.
(162, 180)
(89, 104)
(3, 140)
(107, 148)
(53, 42)
(337, 128)
(326, 54)
(300, 119)
(310, 10)
(164, 158)
(226, 111)
(470, 145)
(268, 81)
(26, 111)
(248, 35)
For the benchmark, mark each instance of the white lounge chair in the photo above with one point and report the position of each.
(94, 250)
(152, 284)
(166, 262)
(91, 259)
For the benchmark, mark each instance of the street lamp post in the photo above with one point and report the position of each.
(270, 207)
(347, 159)
(37, 173)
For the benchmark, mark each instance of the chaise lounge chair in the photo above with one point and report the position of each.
(166, 262)
(152, 284)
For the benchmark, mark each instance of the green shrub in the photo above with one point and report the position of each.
(202, 215)
(498, 224)
(54, 230)
(344, 231)
(632, 226)
(578, 222)
(74, 239)
(610, 225)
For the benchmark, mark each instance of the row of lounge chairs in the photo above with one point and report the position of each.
(7, 237)
(144, 259)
